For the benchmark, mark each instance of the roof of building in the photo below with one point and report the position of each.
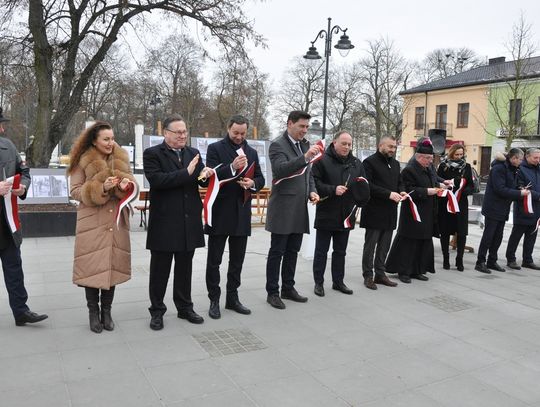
(496, 71)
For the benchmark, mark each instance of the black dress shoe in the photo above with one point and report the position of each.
(29, 317)
(342, 288)
(275, 301)
(156, 323)
(513, 265)
(530, 266)
(191, 316)
(405, 279)
(420, 277)
(213, 311)
(481, 267)
(319, 290)
(293, 296)
(495, 266)
(236, 305)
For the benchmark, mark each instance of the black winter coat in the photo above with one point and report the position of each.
(384, 177)
(328, 173)
(501, 190)
(175, 218)
(230, 215)
(450, 223)
(528, 174)
(418, 179)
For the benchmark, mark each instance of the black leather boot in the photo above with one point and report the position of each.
(92, 300)
(461, 240)
(106, 303)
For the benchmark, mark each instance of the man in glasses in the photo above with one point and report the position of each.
(174, 224)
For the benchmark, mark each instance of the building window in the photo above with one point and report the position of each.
(419, 118)
(440, 116)
(462, 115)
(515, 112)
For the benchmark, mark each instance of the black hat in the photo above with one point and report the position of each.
(360, 191)
(2, 118)
(424, 146)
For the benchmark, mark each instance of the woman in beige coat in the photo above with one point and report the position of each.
(100, 174)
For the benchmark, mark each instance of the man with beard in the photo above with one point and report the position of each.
(379, 217)
(231, 211)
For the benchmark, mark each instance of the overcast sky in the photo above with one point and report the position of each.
(415, 26)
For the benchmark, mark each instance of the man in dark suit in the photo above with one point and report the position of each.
(174, 223)
(379, 217)
(231, 211)
(10, 240)
(287, 218)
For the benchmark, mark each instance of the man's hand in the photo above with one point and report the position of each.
(314, 197)
(394, 196)
(19, 191)
(525, 192)
(246, 183)
(193, 163)
(5, 187)
(205, 173)
(312, 152)
(340, 190)
(239, 162)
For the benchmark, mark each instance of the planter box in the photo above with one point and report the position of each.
(48, 224)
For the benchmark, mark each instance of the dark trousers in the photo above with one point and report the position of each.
(461, 240)
(376, 245)
(491, 240)
(528, 242)
(237, 252)
(286, 248)
(160, 268)
(340, 239)
(14, 278)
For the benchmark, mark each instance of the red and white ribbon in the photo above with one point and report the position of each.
(250, 173)
(12, 206)
(349, 220)
(459, 191)
(527, 204)
(212, 192)
(313, 160)
(452, 205)
(412, 206)
(132, 192)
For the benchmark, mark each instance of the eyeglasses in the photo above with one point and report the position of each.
(178, 132)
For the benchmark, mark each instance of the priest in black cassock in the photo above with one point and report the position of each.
(411, 254)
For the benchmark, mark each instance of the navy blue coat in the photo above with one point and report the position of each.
(175, 219)
(528, 174)
(230, 215)
(501, 190)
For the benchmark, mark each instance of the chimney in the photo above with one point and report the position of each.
(495, 61)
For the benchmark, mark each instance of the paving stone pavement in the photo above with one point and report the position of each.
(460, 339)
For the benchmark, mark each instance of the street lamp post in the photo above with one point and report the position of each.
(154, 102)
(343, 46)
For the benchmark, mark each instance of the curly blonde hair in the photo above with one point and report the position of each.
(84, 142)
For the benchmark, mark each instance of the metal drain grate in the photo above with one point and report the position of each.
(228, 342)
(447, 303)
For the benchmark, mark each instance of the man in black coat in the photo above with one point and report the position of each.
(525, 222)
(379, 217)
(174, 223)
(501, 190)
(231, 212)
(10, 240)
(337, 178)
(411, 254)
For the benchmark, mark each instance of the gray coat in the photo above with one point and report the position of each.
(11, 163)
(287, 205)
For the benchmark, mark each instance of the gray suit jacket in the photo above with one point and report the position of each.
(11, 163)
(287, 205)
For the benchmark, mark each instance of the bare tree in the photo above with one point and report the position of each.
(444, 62)
(302, 87)
(385, 74)
(512, 100)
(58, 28)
